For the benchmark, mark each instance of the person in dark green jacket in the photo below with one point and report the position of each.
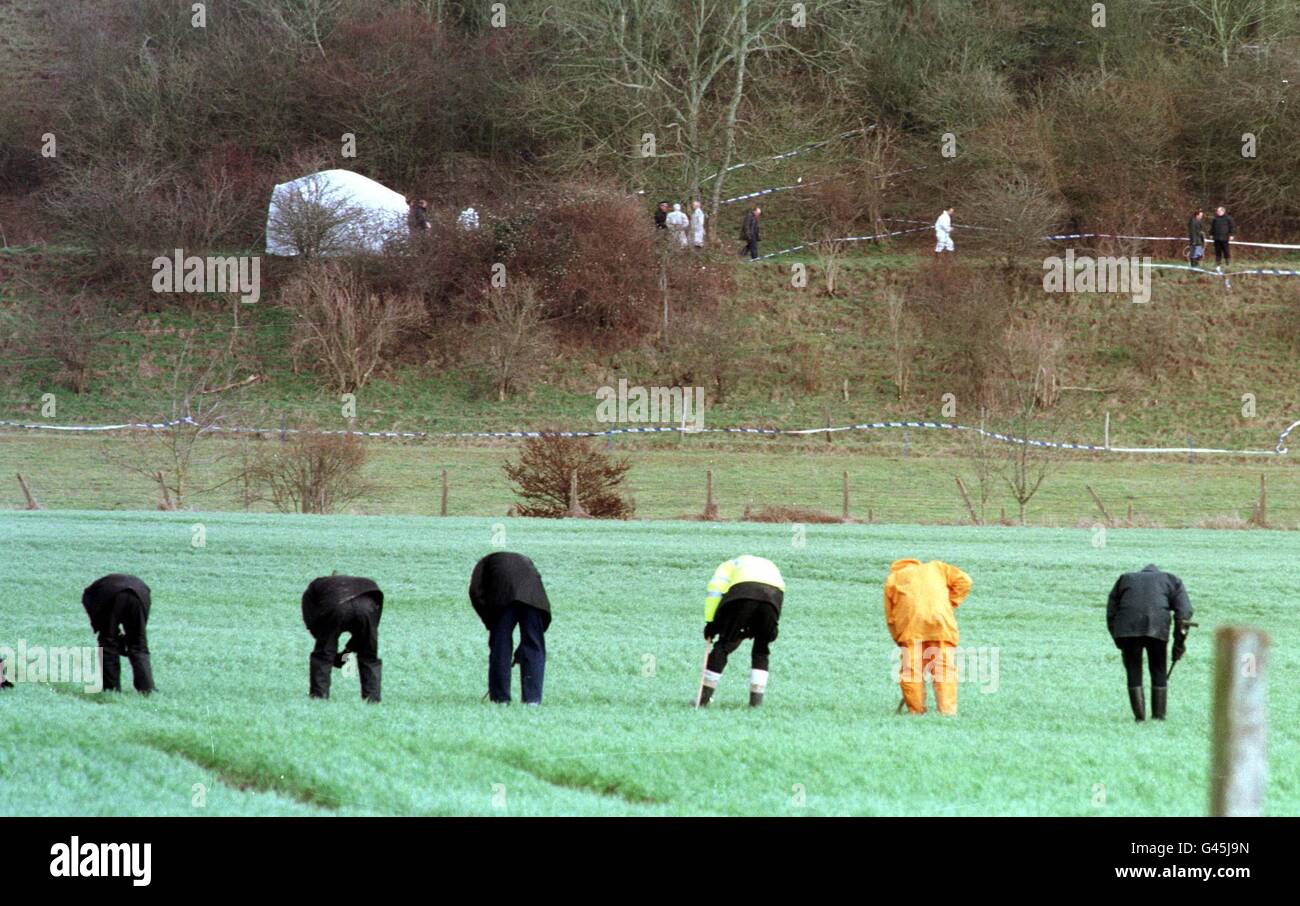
(1196, 238)
(1137, 617)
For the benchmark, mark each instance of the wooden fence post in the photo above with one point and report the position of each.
(844, 516)
(31, 501)
(1101, 506)
(1239, 769)
(442, 510)
(710, 508)
(575, 505)
(974, 517)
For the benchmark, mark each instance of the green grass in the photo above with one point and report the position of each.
(668, 480)
(614, 737)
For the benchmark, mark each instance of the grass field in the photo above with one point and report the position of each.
(615, 736)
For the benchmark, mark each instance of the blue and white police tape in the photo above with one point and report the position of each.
(1279, 450)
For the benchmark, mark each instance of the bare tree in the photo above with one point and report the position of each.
(312, 472)
(343, 327)
(316, 218)
(511, 341)
(174, 453)
(902, 339)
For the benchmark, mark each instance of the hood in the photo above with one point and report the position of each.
(900, 564)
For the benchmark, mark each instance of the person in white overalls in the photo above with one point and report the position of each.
(943, 232)
(697, 224)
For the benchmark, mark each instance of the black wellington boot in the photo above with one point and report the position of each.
(318, 671)
(755, 699)
(1137, 700)
(706, 693)
(371, 676)
(1159, 701)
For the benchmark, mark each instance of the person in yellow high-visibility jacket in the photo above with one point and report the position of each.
(743, 601)
(920, 604)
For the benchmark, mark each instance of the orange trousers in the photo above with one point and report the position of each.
(935, 661)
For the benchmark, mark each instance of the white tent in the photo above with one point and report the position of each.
(333, 212)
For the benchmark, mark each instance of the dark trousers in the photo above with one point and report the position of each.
(360, 617)
(751, 248)
(530, 655)
(1221, 253)
(1131, 652)
(740, 620)
(121, 632)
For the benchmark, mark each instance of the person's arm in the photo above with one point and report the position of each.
(1178, 600)
(718, 586)
(958, 584)
(476, 586)
(1112, 604)
(889, 608)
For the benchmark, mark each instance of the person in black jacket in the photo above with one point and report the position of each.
(661, 216)
(1137, 616)
(749, 232)
(331, 606)
(1221, 231)
(118, 608)
(506, 591)
(1196, 238)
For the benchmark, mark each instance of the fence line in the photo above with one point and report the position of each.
(1279, 450)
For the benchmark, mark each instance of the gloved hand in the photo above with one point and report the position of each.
(340, 659)
(710, 631)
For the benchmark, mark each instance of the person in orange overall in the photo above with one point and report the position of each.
(920, 600)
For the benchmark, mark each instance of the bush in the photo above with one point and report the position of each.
(544, 473)
(343, 328)
(311, 472)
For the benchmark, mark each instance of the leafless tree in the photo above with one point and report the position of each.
(512, 342)
(344, 328)
(312, 472)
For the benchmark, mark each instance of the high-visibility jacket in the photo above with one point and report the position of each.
(920, 600)
(738, 571)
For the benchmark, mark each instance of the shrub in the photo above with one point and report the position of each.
(544, 473)
(342, 327)
(311, 472)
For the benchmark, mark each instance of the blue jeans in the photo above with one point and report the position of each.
(530, 655)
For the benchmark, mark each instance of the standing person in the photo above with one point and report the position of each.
(697, 224)
(417, 217)
(506, 591)
(1221, 231)
(1137, 617)
(920, 604)
(1196, 238)
(742, 601)
(468, 219)
(661, 216)
(943, 232)
(118, 608)
(678, 223)
(749, 232)
(331, 606)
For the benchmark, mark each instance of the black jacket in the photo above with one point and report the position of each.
(98, 597)
(1196, 231)
(329, 591)
(661, 219)
(749, 229)
(1141, 602)
(502, 579)
(1221, 228)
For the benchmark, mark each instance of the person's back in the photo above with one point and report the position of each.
(921, 598)
(919, 602)
(506, 591)
(1138, 613)
(117, 606)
